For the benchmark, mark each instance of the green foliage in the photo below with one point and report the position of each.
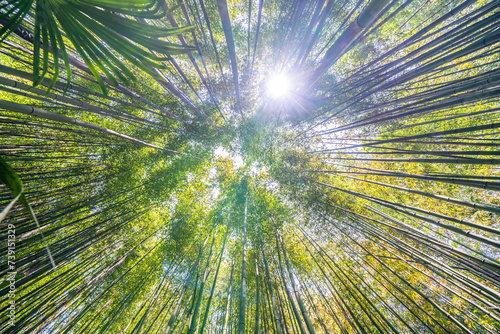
(92, 27)
(363, 200)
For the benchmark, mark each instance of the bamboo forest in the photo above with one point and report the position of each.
(267, 166)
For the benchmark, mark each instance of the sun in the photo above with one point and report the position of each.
(278, 86)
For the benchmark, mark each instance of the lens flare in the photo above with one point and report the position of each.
(278, 86)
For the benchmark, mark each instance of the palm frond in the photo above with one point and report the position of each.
(105, 34)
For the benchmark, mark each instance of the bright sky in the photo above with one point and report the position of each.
(278, 86)
(222, 152)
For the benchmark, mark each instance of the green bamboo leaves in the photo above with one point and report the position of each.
(103, 33)
(13, 182)
(384, 219)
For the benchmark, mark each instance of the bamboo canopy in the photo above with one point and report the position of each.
(271, 166)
